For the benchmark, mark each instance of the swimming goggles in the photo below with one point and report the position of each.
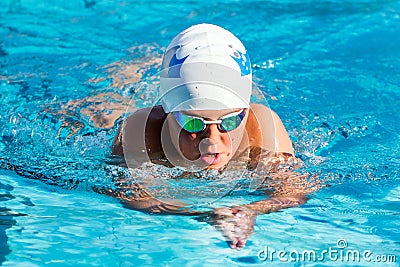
(194, 124)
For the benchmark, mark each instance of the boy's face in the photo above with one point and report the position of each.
(211, 148)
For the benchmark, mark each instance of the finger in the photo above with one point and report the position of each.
(241, 243)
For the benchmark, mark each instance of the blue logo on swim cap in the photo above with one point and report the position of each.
(174, 67)
(243, 61)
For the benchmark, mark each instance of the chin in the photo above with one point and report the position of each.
(214, 167)
(218, 166)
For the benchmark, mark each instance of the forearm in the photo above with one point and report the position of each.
(132, 196)
(155, 206)
(276, 203)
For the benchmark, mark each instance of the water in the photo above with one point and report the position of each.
(330, 69)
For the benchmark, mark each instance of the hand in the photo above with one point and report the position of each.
(235, 223)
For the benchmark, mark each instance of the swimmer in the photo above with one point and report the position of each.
(206, 120)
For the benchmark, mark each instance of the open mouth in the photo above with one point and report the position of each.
(211, 158)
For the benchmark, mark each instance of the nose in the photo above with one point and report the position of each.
(211, 135)
(210, 139)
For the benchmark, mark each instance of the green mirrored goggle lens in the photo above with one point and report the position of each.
(188, 123)
(230, 123)
(193, 125)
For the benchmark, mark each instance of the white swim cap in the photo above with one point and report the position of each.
(205, 67)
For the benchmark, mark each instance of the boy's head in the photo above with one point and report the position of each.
(206, 84)
(205, 67)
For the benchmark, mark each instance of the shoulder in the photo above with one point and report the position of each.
(262, 111)
(149, 114)
(271, 131)
(144, 118)
(264, 116)
(136, 129)
(261, 117)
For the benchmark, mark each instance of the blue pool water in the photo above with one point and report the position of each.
(330, 69)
